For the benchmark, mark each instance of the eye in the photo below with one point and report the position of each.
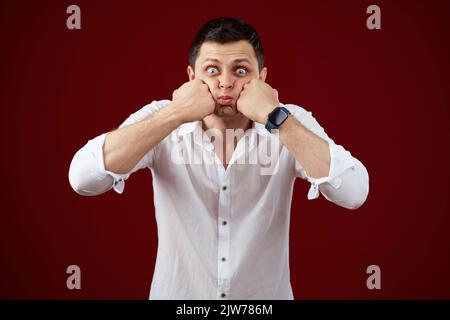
(212, 70)
(241, 71)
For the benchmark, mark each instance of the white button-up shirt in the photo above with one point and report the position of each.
(223, 233)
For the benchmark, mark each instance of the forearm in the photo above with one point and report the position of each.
(346, 181)
(124, 147)
(307, 148)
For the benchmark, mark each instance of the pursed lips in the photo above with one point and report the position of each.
(225, 99)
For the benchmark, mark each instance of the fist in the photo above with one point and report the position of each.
(193, 101)
(257, 100)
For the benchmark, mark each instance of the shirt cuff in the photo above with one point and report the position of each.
(340, 161)
(119, 179)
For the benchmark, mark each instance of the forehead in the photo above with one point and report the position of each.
(227, 52)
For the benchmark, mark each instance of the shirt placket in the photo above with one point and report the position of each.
(223, 252)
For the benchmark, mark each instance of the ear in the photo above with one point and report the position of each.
(263, 74)
(190, 73)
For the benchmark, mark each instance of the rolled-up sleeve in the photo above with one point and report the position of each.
(347, 183)
(87, 173)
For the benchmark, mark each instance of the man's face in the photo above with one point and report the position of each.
(225, 68)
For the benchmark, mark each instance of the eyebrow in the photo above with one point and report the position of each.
(235, 61)
(241, 60)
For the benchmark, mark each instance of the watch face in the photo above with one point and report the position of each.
(278, 117)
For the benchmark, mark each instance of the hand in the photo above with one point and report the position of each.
(193, 101)
(257, 100)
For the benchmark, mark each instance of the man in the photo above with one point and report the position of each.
(223, 220)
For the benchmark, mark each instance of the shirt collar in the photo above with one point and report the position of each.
(189, 127)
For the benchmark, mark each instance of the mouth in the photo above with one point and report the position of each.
(225, 100)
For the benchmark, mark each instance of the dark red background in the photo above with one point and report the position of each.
(383, 94)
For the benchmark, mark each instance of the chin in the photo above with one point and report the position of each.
(225, 111)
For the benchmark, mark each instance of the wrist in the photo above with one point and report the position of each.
(277, 117)
(265, 114)
(176, 113)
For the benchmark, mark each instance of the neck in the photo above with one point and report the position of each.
(239, 121)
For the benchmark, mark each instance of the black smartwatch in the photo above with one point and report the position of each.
(276, 118)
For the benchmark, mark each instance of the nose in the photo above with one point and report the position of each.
(226, 81)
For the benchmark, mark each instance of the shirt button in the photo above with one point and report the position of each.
(224, 188)
(224, 259)
(224, 223)
(223, 295)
